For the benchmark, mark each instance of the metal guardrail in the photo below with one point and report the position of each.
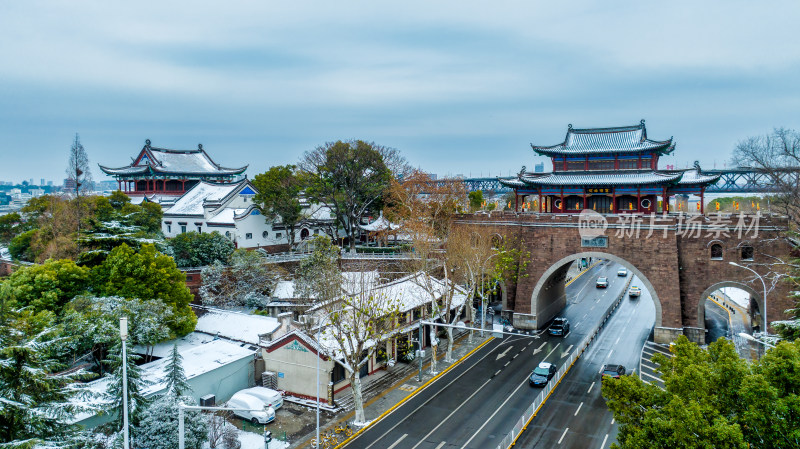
(519, 426)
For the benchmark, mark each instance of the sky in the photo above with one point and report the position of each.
(459, 87)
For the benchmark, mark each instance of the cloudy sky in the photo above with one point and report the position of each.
(460, 87)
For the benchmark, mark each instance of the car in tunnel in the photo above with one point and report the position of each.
(602, 282)
(560, 326)
(542, 374)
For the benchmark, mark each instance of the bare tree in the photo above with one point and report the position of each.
(425, 210)
(247, 280)
(354, 326)
(777, 156)
(78, 171)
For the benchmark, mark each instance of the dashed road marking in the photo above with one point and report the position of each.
(578, 410)
(559, 440)
(609, 353)
(398, 441)
(604, 442)
(451, 414)
(441, 444)
(590, 388)
(507, 364)
(498, 372)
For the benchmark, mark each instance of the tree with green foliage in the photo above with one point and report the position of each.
(48, 286)
(475, 200)
(318, 276)
(192, 249)
(118, 199)
(146, 275)
(349, 177)
(712, 398)
(278, 197)
(177, 385)
(35, 407)
(20, 246)
(158, 426)
(137, 402)
(9, 226)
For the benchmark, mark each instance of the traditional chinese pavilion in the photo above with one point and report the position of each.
(609, 170)
(170, 172)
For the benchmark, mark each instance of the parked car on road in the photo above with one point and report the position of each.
(602, 282)
(253, 409)
(542, 374)
(622, 272)
(614, 371)
(635, 292)
(560, 326)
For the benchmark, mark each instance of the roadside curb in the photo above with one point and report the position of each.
(581, 273)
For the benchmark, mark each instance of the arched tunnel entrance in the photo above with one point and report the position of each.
(549, 295)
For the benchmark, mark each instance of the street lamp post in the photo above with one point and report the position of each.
(747, 336)
(123, 334)
(764, 286)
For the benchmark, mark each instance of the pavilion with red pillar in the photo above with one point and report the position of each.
(608, 170)
(162, 171)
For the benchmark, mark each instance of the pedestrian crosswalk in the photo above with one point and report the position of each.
(647, 367)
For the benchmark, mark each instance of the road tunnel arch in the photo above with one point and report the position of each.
(549, 293)
(754, 308)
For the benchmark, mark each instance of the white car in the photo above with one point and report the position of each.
(269, 396)
(251, 408)
(622, 272)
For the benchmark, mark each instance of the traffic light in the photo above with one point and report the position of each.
(267, 436)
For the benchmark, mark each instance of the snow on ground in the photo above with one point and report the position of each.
(252, 440)
(737, 295)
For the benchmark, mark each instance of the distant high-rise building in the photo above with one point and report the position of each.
(31, 182)
(41, 183)
(538, 168)
(50, 183)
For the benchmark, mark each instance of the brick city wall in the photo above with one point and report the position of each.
(676, 268)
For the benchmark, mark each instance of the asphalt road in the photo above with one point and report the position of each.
(475, 404)
(575, 415)
(716, 321)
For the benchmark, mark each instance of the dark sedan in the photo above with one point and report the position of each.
(542, 374)
(614, 371)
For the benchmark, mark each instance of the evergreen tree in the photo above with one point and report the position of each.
(34, 402)
(137, 402)
(158, 427)
(177, 385)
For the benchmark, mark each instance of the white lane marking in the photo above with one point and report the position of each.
(562, 435)
(650, 375)
(495, 413)
(598, 300)
(512, 358)
(451, 414)
(529, 343)
(503, 354)
(609, 354)
(613, 420)
(498, 372)
(617, 342)
(554, 350)
(441, 444)
(604, 442)
(434, 396)
(648, 364)
(398, 441)
(590, 388)
(507, 364)
(579, 409)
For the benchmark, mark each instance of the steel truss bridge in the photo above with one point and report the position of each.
(735, 180)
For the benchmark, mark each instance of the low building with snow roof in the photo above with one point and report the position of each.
(212, 367)
(292, 357)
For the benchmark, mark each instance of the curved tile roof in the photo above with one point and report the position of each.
(624, 139)
(602, 179)
(167, 161)
(696, 177)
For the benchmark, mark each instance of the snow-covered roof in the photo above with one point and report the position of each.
(380, 224)
(236, 325)
(191, 203)
(164, 160)
(410, 294)
(184, 343)
(355, 281)
(197, 360)
(225, 216)
(318, 212)
(621, 139)
(696, 177)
